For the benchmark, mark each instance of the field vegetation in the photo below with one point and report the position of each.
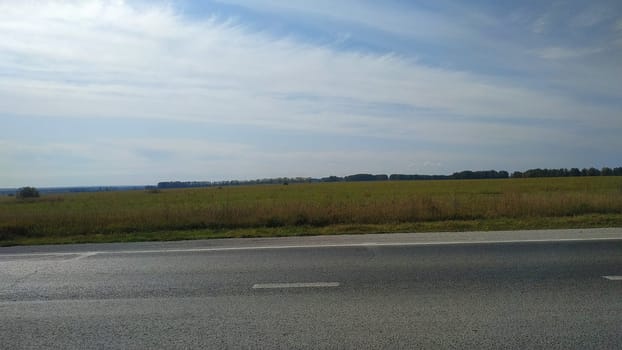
(316, 208)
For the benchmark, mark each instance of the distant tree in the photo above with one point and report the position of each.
(331, 179)
(593, 172)
(481, 174)
(606, 171)
(533, 173)
(382, 177)
(398, 177)
(27, 192)
(517, 174)
(367, 177)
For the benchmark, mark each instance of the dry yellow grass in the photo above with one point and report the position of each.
(308, 205)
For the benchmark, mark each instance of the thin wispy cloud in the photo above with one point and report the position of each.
(117, 61)
(556, 53)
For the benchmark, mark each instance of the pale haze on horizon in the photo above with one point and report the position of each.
(137, 92)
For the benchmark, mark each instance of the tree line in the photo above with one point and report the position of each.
(564, 172)
(462, 175)
(267, 181)
(31, 192)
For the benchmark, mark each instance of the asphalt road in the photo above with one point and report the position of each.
(473, 290)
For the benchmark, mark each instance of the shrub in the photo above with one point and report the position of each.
(27, 192)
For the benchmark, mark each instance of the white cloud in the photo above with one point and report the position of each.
(405, 21)
(561, 53)
(100, 59)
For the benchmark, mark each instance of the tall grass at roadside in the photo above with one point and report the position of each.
(308, 205)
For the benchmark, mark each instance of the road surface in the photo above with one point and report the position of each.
(499, 290)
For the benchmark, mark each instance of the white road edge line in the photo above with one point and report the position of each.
(84, 255)
(613, 278)
(303, 246)
(295, 285)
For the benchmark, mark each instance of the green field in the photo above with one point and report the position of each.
(318, 208)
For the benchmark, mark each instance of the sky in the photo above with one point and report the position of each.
(137, 92)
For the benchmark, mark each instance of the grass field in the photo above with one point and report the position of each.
(320, 208)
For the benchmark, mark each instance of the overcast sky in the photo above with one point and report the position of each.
(136, 92)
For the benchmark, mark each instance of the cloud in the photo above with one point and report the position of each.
(561, 53)
(404, 21)
(147, 61)
(100, 59)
